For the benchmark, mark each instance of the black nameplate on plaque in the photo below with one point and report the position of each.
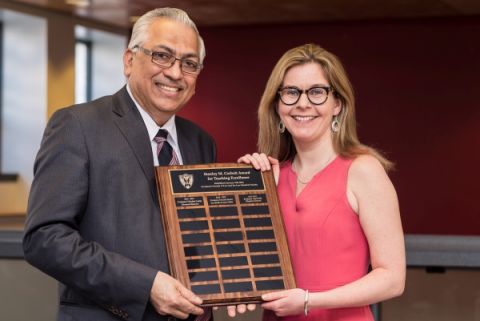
(224, 230)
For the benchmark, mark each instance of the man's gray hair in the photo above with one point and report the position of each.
(140, 28)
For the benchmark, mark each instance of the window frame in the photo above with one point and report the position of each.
(88, 64)
(1, 96)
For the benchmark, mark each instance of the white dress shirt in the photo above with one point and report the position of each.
(153, 128)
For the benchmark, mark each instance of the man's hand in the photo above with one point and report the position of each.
(168, 296)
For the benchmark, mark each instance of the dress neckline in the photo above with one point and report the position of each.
(293, 177)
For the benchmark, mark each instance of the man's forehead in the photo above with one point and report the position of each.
(160, 25)
(173, 36)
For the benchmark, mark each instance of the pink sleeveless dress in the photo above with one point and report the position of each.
(327, 244)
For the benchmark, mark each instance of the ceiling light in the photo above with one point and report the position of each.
(78, 3)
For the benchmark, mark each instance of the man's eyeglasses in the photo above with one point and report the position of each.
(316, 95)
(167, 60)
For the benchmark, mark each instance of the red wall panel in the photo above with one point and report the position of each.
(417, 89)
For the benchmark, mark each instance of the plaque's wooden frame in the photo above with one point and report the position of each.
(174, 243)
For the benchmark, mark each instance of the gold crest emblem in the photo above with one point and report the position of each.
(186, 180)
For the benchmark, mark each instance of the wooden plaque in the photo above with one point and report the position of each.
(224, 231)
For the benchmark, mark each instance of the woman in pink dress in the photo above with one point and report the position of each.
(340, 208)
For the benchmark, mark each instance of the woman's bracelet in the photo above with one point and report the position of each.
(305, 303)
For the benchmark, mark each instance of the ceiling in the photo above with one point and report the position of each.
(119, 13)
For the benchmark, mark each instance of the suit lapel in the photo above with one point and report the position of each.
(185, 144)
(133, 129)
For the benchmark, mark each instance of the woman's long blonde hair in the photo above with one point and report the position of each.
(345, 141)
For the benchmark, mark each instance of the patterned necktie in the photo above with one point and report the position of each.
(165, 153)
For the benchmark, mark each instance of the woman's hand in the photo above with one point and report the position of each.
(285, 303)
(262, 162)
(232, 310)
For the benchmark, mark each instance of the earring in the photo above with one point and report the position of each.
(335, 124)
(281, 127)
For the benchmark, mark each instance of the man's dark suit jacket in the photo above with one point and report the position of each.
(93, 215)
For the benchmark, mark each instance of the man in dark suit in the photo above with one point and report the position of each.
(93, 215)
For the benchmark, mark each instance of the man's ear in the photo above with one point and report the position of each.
(127, 62)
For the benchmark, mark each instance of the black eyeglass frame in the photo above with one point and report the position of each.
(172, 61)
(300, 92)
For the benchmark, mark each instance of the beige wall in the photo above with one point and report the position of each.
(13, 198)
(26, 294)
(450, 296)
(61, 64)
